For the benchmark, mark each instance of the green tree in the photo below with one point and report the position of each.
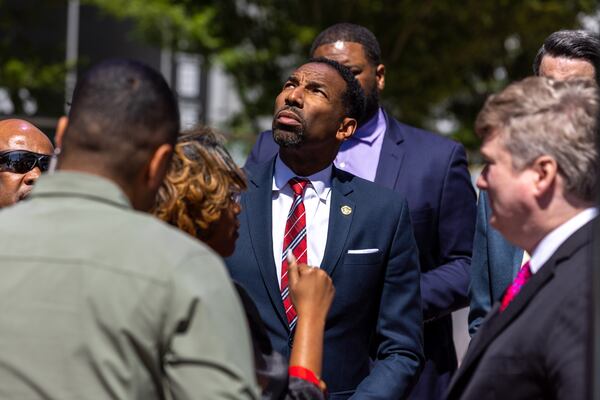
(31, 58)
(442, 57)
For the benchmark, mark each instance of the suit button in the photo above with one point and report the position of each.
(291, 341)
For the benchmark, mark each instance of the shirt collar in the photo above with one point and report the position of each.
(78, 184)
(552, 241)
(320, 181)
(371, 129)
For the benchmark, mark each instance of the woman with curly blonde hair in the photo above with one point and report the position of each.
(201, 191)
(200, 196)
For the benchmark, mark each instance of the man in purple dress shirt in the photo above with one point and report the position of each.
(430, 172)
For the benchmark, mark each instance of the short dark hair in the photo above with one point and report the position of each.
(574, 44)
(121, 111)
(353, 98)
(350, 33)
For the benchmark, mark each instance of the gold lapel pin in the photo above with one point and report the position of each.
(346, 210)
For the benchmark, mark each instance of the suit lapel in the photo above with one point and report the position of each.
(391, 156)
(258, 206)
(340, 219)
(498, 321)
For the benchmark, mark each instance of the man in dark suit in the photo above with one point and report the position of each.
(541, 176)
(298, 203)
(430, 172)
(565, 54)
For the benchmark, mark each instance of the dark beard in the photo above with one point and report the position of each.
(371, 104)
(287, 137)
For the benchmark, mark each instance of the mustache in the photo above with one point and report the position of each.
(294, 110)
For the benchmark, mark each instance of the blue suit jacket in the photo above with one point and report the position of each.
(494, 266)
(431, 173)
(376, 308)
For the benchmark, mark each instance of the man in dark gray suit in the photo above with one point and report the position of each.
(541, 178)
(564, 55)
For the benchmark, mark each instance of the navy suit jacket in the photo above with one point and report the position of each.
(431, 173)
(377, 303)
(538, 347)
(495, 264)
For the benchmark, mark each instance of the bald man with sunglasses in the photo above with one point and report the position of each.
(25, 153)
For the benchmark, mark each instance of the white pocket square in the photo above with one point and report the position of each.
(363, 251)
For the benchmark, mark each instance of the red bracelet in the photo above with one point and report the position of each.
(304, 373)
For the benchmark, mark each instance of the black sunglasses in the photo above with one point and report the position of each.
(23, 161)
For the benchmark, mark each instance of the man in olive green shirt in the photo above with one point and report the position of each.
(97, 299)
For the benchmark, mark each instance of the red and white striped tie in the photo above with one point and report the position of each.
(294, 241)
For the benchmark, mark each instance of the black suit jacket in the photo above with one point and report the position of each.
(431, 173)
(377, 304)
(537, 347)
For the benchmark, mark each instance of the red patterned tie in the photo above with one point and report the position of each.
(515, 287)
(294, 240)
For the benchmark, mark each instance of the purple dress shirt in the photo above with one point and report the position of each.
(359, 155)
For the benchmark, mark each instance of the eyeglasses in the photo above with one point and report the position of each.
(23, 161)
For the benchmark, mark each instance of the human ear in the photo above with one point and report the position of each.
(546, 170)
(380, 77)
(158, 166)
(61, 127)
(346, 129)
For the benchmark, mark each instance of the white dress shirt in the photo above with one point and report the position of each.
(316, 203)
(552, 241)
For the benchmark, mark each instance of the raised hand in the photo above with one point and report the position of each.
(312, 291)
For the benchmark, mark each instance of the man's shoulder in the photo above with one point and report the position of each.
(367, 191)
(419, 137)
(169, 238)
(259, 170)
(165, 248)
(266, 134)
(109, 238)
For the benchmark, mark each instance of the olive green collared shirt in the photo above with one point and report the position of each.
(98, 301)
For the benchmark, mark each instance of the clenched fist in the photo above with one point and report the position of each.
(312, 291)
